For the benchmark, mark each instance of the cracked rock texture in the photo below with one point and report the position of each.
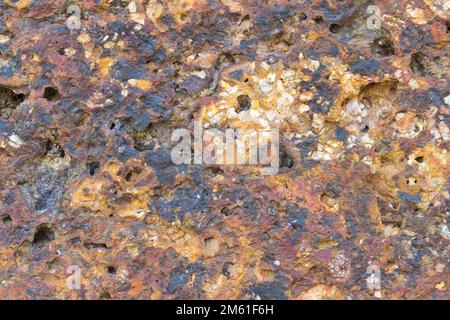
(87, 180)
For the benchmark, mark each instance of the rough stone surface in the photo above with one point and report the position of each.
(87, 179)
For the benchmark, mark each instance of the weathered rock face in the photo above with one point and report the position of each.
(359, 90)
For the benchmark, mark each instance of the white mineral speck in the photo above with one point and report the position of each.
(132, 7)
(447, 100)
(15, 141)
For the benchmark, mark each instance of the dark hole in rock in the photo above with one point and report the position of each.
(383, 46)
(419, 159)
(129, 176)
(224, 60)
(7, 221)
(54, 149)
(215, 170)
(92, 245)
(286, 160)
(183, 17)
(334, 28)
(74, 242)
(318, 19)
(226, 269)
(61, 51)
(225, 211)
(43, 235)
(111, 269)
(51, 93)
(418, 64)
(92, 167)
(328, 200)
(9, 101)
(112, 126)
(105, 296)
(365, 129)
(244, 103)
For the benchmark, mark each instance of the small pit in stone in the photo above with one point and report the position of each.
(105, 296)
(318, 19)
(111, 269)
(53, 149)
(9, 101)
(227, 269)
(382, 46)
(419, 64)
(286, 160)
(225, 211)
(301, 16)
(129, 176)
(224, 60)
(365, 129)
(419, 159)
(334, 28)
(7, 221)
(51, 93)
(92, 167)
(244, 103)
(43, 235)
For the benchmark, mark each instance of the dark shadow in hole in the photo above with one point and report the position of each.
(9, 101)
(51, 93)
(382, 46)
(224, 60)
(7, 221)
(111, 269)
(54, 149)
(93, 245)
(286, 161)
(318, 19)
(418, 64)
(244, 103)
(129, 176)
(225, 211)
(43, 235)
(105, 296)
(334, 28)
(92, 167)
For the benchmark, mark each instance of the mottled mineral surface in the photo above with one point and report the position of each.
(93, 207)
